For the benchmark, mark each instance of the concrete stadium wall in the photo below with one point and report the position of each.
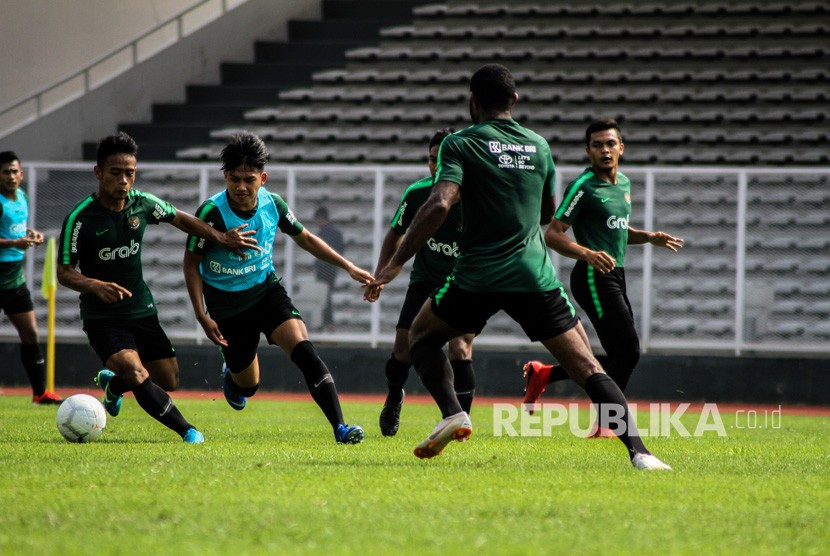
(498, 373)
(161, 79)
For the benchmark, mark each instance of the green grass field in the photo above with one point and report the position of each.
(271, 480)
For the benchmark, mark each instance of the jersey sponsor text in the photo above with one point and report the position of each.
(123, 252)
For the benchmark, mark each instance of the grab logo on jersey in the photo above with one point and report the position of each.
(443, 248)
(123, 252)
(18, 229)
(617, 222)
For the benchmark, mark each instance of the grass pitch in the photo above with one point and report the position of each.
(271, 479)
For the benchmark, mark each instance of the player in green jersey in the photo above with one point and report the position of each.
(102, 236)
(433, 263)
(597, 205)
(15, 299)
(236, 299)
(502, 174)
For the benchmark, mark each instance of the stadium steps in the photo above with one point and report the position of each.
(313, 46)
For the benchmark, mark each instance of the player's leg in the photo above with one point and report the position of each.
(289, 332)
(397, 366)
(461, 360)
(240, 373)
(20, 310)
(165, 372)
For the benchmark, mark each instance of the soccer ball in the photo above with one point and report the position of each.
(81, 418)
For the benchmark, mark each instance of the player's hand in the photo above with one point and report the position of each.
(372, 289)
(237, 241)
(212, 331)
(35, 237)
(601, 261)
(360, 275)
(663, 239)
(110, 292)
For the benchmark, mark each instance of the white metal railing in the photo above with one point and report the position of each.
(106, 67)
(364, 197)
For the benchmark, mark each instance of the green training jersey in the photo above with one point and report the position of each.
(599, 213)
(505, 172)
(223, 303)
(106, 245)
(436, 259)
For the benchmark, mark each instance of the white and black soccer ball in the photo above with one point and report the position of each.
(81, 418)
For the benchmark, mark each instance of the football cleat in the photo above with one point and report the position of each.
(536, 376)
(236, 401)
(648, 462)
(390, 415)
(348, 434)
(47, 398)
(111, 403)
(192, 436)
(455, 427)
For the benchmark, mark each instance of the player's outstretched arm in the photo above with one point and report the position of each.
(391, 241)
(661, 239)
(109, 292)
(235, 240)
(195, 291)
(323, 251)
(556, 238)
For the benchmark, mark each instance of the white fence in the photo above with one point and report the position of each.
(753, 277)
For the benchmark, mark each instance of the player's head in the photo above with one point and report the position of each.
(244, 149)
(243, 163)
(603, 144)
(434, 146)
(115, 144)
(492, 90)
(115, 168)
(11, 174)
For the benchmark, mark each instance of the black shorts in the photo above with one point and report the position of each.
(242, 330)
(145, 335)
(416, 296)
(17, 300)
(542, 315)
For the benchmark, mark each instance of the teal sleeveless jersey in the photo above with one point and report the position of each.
(14, 216)
(226, 270)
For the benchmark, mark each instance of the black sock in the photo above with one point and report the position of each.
(159, 405)
(434, 368)
(396, 375)
(602, 389)
(237, 389)
(464, 380)
(319, 381)
(35, 366)
(118, 386)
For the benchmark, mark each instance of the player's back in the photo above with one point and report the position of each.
(505, 171)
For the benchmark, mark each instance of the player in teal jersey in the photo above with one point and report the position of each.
(598, 206)
(433, 263)
(502, 174)
(238, 298)
(102, 236)
(15, 298)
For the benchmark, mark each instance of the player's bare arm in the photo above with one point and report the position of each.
(426, 222)
(661, 239)
(323, 251)
(20, 242)
(391, 241)
(556, 238)
(34, 236)
(195, 291)
(235, 240)
(108, 292)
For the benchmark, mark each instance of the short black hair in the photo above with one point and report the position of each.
(7, 157)
(244, 149)
(601, 125)
(493, 86)
(115, 144)
(439, 136)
